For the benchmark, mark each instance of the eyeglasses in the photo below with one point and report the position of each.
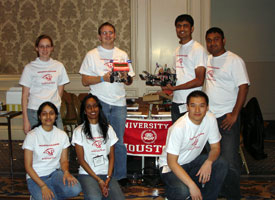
(44, 47)
(107, 32)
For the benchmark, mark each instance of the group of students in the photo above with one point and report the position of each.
(46, 144)
(99, 139)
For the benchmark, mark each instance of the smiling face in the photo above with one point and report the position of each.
(47, 117)
(107, 37)
(92, 110)
(44, 49)
(184, 31)
(215, 44)
(197, 108)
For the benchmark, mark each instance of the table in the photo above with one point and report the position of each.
(9, 115)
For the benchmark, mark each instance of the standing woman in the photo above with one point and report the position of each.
(46, 159)
(94, 143)
(43, 80)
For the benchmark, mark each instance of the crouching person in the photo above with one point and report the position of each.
(46, 158)
(186, 172)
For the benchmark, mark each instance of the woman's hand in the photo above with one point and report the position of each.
(47, 194)
(103, 188)
(69, 178)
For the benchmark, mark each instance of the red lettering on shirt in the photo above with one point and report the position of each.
(195, 141)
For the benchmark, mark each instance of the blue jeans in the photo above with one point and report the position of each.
(32, 116)
(92, 190)
(54, 182)
(175, 111)
(177, 190)
(116, 115)
(230, 144)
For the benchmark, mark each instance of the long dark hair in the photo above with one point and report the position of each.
(102, 121)
(39, 111)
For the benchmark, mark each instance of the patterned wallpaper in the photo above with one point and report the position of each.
(72, 24)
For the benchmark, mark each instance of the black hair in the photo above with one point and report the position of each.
(197, 93)
(215, 30)
(105, 24)
(39, 111)
(102, 121)
(40, 38)
(185, 17)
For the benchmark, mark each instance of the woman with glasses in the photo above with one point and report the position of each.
(94, 142)
(46, 158)
(42, 80)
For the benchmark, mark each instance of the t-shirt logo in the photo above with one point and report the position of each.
(49, 151)
(210, 75)
(48, 77)
(97, 143)
(195, 141)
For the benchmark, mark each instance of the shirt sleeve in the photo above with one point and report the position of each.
(239, 72)
(66, 141)
(87, 65)
(63, 76)
(77, 136)
(112, 136)
(214, 135)
(26, 77)
(174, 141)
(29, 142)
(200, 58)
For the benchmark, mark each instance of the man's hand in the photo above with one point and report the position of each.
(195, 192)
(229, 121)
(168, 87)
(205, 172)
(26, 126)
(106, 77)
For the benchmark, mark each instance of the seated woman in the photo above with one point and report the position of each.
(94, 143)
(46, 158)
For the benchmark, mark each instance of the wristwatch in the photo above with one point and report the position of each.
(109, 176)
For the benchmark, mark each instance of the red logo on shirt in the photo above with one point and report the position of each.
(210, 75)
(195, 141)
(48, 77)
(97, 143)
(49, 151)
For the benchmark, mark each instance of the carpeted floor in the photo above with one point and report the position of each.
(259, 184)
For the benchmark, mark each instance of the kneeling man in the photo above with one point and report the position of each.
(186, 172)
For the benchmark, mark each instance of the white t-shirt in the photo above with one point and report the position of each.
(224, 75)
(187, 58)
(43, 79)
(97, 63)
(187, 139)
(47, 148)
(95, 151)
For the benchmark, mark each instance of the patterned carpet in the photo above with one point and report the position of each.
(260, 184)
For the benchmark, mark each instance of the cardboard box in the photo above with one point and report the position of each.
(13, 99)
(151, 97)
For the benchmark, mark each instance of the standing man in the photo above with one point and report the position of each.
(190, 174)
(95, 70)
(227, 86)
(190, 63)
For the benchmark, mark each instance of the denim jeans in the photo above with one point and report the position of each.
(177, 190)
(32, 115)
(92, 190)
(230, 143)
(54, 182)
(116, 115)
(175, 112)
